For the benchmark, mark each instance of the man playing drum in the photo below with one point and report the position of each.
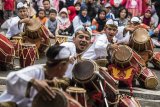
(16, 25)
(80, 44)
(79, 48)
(19, 84)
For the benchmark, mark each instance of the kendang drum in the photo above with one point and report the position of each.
(85, 74)
(79, 94)
(125, 57)
(7, 53)
(122, 56)
(148, 79)
(27, 54)
(36, 33)
(140, 40)
(17, 42)
(61, 99)
(156, 59)
(128, 101)
(125, 65)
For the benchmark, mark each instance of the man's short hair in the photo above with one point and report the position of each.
(111, 23)
(83, 29)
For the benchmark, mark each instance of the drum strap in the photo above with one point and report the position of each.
(81, 54)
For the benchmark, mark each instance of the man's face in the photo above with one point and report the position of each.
(61, 67)
(46, 5)
(111, 32)
(23, 13)
(81, 41)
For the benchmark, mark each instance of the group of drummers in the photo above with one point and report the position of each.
(84, 72)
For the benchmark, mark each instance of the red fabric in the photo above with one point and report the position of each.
(144, 6)
(97, 96)
(126, 81)
(9, 4)
(72, 13)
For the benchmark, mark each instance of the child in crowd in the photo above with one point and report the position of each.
(109, 14)
(51, 24)
(148, 19)
(77, 7)
(42, 16)
(63, 22)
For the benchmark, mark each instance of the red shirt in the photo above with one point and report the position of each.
(8, 4)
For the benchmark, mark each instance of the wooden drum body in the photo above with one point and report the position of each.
(79, 94)
(36, 33)
(27, 54)
(148, 79)
(61, 99)
(128, 101)
(156, 59)
(85, 75)
(17, 43)
(7, 53)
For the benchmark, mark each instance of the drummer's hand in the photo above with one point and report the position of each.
(25, 20)
(114, 46)
(43, 88)
(72, 59)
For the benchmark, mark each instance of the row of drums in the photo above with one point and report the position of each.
(26, 52)
(9, 49)
(76, 97)
(85, 76)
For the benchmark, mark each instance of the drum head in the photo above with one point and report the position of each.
(84, 70)
(59, 101)
(35, 25)
(140, 36)
(123, 54)
(75, 90)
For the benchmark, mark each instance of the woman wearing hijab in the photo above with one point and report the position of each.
(71, 12)
(82, 18)
(99, 21)
(148, 19)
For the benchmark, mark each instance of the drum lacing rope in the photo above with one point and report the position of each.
(7, 55)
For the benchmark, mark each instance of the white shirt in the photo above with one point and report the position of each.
(98, 48)
(71, 46)
(13, 29)
(121, 37)
(17, 83)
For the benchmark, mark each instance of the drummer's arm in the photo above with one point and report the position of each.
(26, 20)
